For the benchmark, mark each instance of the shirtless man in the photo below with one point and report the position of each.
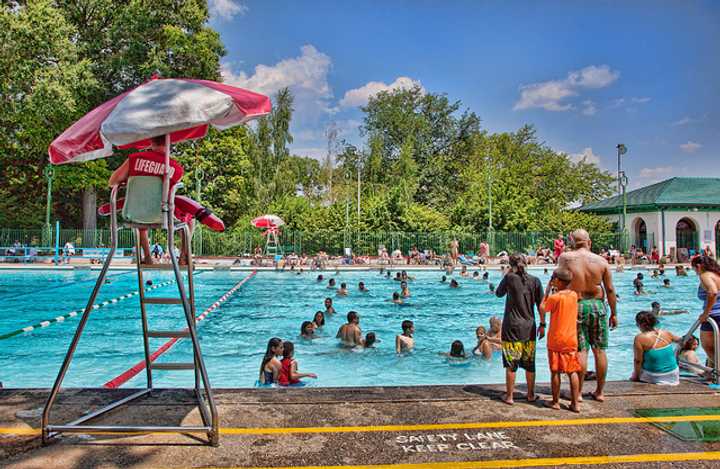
(350, 333)
(405, 341)
(329, 308)
(591, 280)
(454, 251)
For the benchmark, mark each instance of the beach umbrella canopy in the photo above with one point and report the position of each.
(180, 107)
(267, 221)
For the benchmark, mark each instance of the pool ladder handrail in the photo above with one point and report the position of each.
(206, 403)
(715, 370)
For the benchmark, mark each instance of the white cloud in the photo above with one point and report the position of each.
(587, 156)
(226, 9)
(589, 108)
(550, 95)
(657, 172)
(360, 96)
(690, 147)
(642, 100)
(684, 121)
(305, 75)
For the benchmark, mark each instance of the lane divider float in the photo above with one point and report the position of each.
(130, 373)
(72, 314)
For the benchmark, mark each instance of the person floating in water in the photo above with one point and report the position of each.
(270, 365)
(562, 340)
(350, 334)
(331, 284)
(342, 291)
(329, 308)
(307, 330)
(657, 311)
(405, 341)
(362, 287)
(289, 374)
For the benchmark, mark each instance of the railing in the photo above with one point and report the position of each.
(236, 243)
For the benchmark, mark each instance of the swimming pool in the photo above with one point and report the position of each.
(234, 336)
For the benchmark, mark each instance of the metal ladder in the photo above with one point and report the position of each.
(203, 390)
(715, 370)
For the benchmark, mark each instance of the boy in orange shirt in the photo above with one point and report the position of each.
(562, 339)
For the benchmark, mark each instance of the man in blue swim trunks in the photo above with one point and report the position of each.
(592, 281)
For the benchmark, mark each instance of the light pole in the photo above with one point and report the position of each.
(49, 173)
(199, 176)
(489, 191)
(621, 150)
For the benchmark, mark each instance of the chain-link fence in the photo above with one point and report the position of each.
(238, 243)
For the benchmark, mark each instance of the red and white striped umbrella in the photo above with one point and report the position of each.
(183, 108)
(267, 221)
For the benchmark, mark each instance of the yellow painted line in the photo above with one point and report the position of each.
(420, 427)
(534, 462)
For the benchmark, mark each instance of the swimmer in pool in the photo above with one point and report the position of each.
(404, 290)
(483, 347)
(307, 330)
(331, 284)
(362, 287)
(658, 311)
(396, 298)
(486, 276)
(342, 291)
(405, 341)
(464, 271)
(319, 278)
(666, 283)
(319, 319)
(148, 282)
(639, 286)
(388, 275)
(350, 334)
(491, 288)
(370, 339)
(457, 350)
(405, 277)
(443, 279)
(289, 374)
(454, 284)
(329, 308)
(398, 277)
(476, 275)
(270, 365)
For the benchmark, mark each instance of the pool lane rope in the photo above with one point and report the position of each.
(72, 314)
(70, 284)
(130, 373)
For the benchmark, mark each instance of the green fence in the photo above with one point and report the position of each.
(237, 243)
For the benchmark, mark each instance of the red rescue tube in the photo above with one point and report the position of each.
(184, 207)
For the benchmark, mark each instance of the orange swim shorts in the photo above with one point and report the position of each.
(564, 362)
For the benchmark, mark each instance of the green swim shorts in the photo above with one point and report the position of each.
(592, 324)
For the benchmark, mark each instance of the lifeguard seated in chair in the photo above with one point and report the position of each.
(143, 172)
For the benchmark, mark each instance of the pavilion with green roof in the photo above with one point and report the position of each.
(680, 215)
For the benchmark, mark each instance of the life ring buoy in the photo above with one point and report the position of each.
(184, 207)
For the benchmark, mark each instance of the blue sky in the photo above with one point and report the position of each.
(587, 75)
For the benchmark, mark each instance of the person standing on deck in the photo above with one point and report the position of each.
(524, 294)
(454, 251)
(559, 247)
(592, 281)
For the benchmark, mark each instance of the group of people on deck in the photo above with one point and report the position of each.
(575, 299)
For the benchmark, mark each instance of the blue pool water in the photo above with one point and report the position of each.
(234, 336)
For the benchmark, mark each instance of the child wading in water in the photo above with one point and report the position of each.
(289, 374)
(562, 340)
(405, 342)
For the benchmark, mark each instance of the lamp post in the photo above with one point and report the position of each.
(49, 173)
(489, 191)
(621, 150)
(623, 184)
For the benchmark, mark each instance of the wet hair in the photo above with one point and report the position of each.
(328, 299)
(646, 320)
(370, 339)
(148, 282)
(480, 329)
(491, 286)
(707, 263)
(322, 318)
(640, 276)
(486, 275)
(406, 325)
(397, 274)
(361, 285)
(655, 304)
(305, 325)
(457, 349)
(666, 281)
(453, 282)
(476, 273)
(443, 278)
(396, 295)
(352, 316)
(688, 344)
(343, 285)
(288, 350)
(518, 262)
(320, 278)
(269, 354)
(331, 281)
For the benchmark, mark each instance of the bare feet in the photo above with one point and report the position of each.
(532, 398)
(574, 408)
(508, 400)
(552, 405)
(598, 397)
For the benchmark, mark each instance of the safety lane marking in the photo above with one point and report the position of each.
(72, 314)
(532, 462)
(131, 372)
(405, 428)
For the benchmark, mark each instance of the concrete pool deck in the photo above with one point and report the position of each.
(439, 427)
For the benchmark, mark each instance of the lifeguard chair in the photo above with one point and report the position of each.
(149, 204)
